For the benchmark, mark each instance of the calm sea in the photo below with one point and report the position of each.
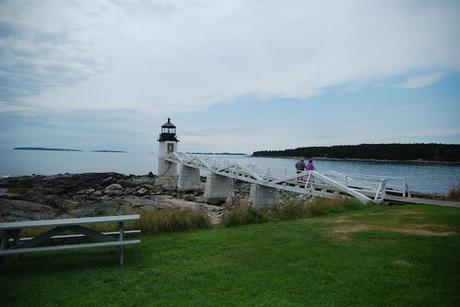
(429, 178)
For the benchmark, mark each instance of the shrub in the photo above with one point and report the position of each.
(316, 207)
(291, 210)
(454, 193)
(167, 220)
(244, 215)
(322, 206)
(158, 221)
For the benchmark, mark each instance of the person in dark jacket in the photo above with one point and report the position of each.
(300, 166)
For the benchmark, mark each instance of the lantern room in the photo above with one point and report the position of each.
(168, 132)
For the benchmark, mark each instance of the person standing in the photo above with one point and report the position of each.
(300, 166)
(310, 166)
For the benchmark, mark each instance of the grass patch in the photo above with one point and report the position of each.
(244, 215)
(167, 220)
(162, 221)
(288, 263)
(151, 222)
(292, 210)
(18, 186)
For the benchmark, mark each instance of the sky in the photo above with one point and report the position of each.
(237, 76)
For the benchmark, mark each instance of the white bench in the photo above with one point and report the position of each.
(12, 244)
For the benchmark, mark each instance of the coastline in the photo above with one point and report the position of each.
(366, 160)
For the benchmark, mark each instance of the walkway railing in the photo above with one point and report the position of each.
(365, 188)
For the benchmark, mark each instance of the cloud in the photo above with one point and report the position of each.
(421, 80)
(173, 56)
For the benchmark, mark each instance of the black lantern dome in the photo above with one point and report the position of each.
(168, 132)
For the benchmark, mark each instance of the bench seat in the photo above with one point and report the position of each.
(72, 236)
(19, 251)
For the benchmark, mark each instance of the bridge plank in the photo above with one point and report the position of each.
(422, 201)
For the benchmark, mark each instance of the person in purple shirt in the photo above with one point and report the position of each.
(310, 166)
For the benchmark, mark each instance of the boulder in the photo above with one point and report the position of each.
(149, 186)
(113, 186)
(135, 202)
(189, 197)
(66, 204)
(107, 180)
(98, 193)
(229, 202)
(142, 191)
(200, 199)
(83, 212)
(114, 192)
(166, 183)
(20, 210)
(107, 207)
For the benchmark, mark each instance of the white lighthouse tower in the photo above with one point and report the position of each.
(168, 145)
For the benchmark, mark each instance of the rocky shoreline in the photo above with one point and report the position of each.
(97, 194)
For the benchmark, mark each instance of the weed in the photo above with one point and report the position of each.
(454, 193)
(167, 220)
(244, 215)
(295, 209)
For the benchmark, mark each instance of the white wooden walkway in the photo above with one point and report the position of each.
(308, 182)
(365, 188)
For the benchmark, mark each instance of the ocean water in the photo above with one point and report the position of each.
(427, 178)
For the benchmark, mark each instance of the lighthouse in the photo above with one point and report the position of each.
(168, 144)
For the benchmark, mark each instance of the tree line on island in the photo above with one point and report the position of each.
(394, 152)
(65, 149)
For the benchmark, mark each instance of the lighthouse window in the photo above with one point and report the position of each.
(170, 147)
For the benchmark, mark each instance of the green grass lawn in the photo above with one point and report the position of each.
(406, 256)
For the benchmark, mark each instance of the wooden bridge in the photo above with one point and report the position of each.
(364, 188)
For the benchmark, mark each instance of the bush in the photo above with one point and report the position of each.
(454, 193)
(167, 220)
(289, 211)
(244, 215)
(316, 207)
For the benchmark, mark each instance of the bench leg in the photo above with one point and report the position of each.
(3, 242)
(17, 241)
(41, 237)
(121, 250)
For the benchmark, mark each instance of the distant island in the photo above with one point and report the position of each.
(116, 151)
(391, 152)
(45, 149)
(65, 149)
(219, 153)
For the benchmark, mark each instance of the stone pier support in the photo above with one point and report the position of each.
(218, 188)
(189, 179)
(166, 168)
(262, 196)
